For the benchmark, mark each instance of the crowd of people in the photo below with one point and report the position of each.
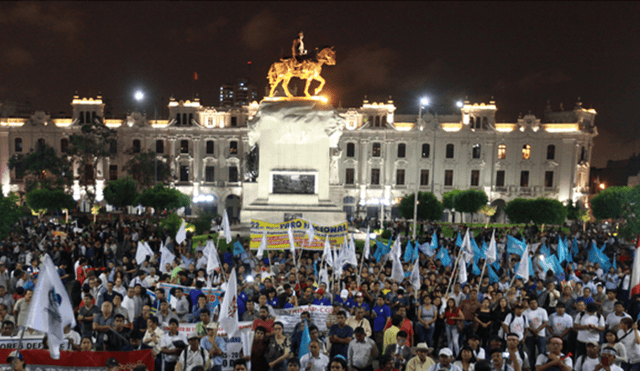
(581, 319)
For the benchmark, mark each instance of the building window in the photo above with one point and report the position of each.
(209, 173)
(424, 177)
(583, 154)
(351, 149)
(551, 152)
(233, 147)
(349, 176)
(18, 144)
(234, 121)
(64, 145)
(402, 150)
(233, 174)
(375, 176)
(209, 147)
(526, 152)
(113, 172)
(178, 121)
(502, 151)
(425, 150)
(400, 177)
(159, 146)
(475, 151)
(475, 178)
(449, 153)
(524, 178)
(184, 173)
(448, 178)
(136, 146)
(548, 179)
(88, 174)
(41, 143)
(375, 152)
(184, 146)
(113, 147)
(500, 178)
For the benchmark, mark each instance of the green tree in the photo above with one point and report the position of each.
(449, 197)
(48, 200)
(203, 223)
(10, 212)
(608, 204)
(142, 167)
(42, 168)
(94, 143)
(573, 212)
(122, 192)
(548, 211)
(172, 223)
(429, 208)
(470, 201)
(631, 213)
(517, 210)
(161, 198)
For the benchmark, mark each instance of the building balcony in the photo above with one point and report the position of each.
(526, 190)
(551, 189)
(499, 189)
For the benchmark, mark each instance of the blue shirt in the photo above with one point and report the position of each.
(343, 333)
(220, 342)
(274, 302)
(324, 301)
(382, 313)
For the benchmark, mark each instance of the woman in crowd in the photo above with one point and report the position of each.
(453, 315)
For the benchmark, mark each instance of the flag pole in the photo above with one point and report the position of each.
(455, 267)
(482, 273)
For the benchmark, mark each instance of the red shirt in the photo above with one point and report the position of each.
(450, 315)
(81, 274)
(407, 327)
(268, 324)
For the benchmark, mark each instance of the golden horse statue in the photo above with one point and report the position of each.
(308, 70)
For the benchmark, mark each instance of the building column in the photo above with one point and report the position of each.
(5, 173)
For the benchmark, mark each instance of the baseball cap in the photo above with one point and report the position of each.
(320, 291)
(15, 354)
(445, 352)
(193, 335)
(111, 362)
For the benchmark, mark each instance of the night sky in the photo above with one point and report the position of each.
(523, 54)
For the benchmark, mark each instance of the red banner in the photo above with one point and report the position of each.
(83, 360)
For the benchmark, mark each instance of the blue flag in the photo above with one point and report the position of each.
(544, 250)
(556, 264)
(304, 341)
(414, 252)
(563, 252)
(474, 269)
(408, 252)
(237, 248)
(515, 246)
(574, 247)
(597, 256)
(381, 250)
(493, 276)
(496, 265)
(546, 264)
(477, 253)
(443, 255)
(459, 240)
(434, 242)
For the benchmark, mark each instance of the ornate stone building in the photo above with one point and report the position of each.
(381, 156)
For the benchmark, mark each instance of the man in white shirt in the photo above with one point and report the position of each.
(610, 354)
(589, 329)
(613, 319)
(560, 324)
(538, 320)
(129, 304)
(193, 356)
(314, 360)
(554, 358)
(171, 346)
(516, 323)
(589, 361)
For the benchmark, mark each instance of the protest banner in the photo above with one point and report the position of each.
(28, 343)
(212, 294)
(278, 239)
(40, 360)
(291, 317)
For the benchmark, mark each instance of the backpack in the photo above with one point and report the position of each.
(184, 352)
(513, 318)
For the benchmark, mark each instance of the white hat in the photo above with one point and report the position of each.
(446, 352)
(344, 294)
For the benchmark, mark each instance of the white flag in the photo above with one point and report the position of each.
(50, 309)
(263, 245)
(351, 257)
(324, 276)
(467, 253)
(310, 232)
(367, 245)
(213, 262)
(397, 249)
(165, 257)
(492, 253)
(635, 275)
(328, 256)
(415, 276)
(143, 250)
(182, 233)
(229, 309)
(462, 271)
(396, 271)
(523, 267)
(226, 230)
(292, 242)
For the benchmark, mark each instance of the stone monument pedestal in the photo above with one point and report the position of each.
(295, 137)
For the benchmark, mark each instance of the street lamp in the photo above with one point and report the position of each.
(423, 103)
(139, 96)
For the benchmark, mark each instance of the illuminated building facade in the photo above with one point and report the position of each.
(381, 157)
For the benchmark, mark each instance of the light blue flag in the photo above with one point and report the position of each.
(414, 252)
(459, 240)
(574, 247)
(434, 242)
(477, 253)
(474, 269)
(237, 248)
(304, 341)
(569, 255)
(408, 252)
(603, 247)
(597, 256)
(443, 255)
(615, 264)
(381, 250)
(496, 265)
(557, 267)
(544, 250)
(514, 246)
(493, 276)
(546, 264)
(562, 251)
